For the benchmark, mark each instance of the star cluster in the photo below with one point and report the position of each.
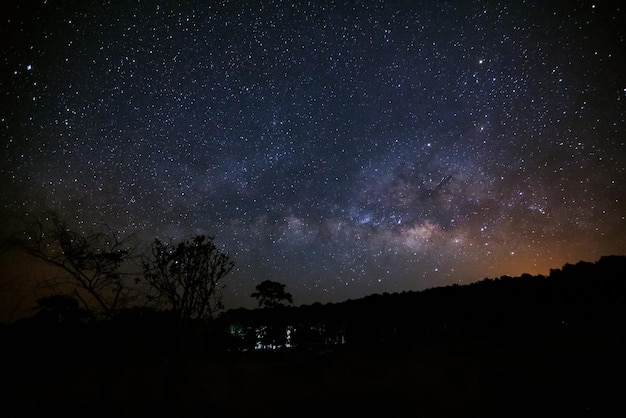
(341, 148)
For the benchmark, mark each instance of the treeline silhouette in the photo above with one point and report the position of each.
(552, 343)
(581, 298)
(586, 297)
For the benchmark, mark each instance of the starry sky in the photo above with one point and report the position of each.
(341, 148)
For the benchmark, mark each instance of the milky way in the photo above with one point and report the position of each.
(341, 149)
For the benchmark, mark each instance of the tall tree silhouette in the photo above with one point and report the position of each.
(271, 294)
(91, 259)
(186, 277)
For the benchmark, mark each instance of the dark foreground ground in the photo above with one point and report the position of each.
(568, 376)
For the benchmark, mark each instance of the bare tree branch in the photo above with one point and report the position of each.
(92, 260)
(186, 277)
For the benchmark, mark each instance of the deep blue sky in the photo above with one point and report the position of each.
(340, 148)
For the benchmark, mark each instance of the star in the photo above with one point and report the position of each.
(388, 147)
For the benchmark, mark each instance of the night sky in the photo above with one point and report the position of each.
(341, 148)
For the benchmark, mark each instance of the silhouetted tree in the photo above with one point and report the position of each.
(92, 259)
(11, 298)
(186, 277)
(271, 294)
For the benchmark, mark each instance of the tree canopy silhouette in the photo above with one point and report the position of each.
(92, 259)
(186, 277)
(271, 294)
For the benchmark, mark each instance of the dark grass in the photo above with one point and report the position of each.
(566, 376)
